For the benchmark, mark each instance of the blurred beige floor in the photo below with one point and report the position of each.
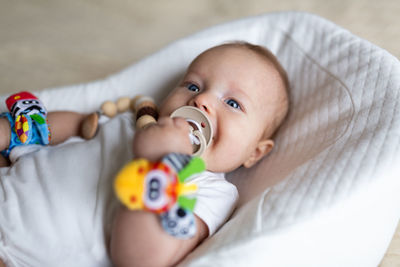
(50, 43)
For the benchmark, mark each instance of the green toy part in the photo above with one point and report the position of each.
(196, 165)
(187, 203)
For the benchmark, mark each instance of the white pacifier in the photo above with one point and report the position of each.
(201, 128)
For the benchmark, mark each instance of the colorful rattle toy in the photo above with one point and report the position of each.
(161, 187)
(28, 121)
(157, 186)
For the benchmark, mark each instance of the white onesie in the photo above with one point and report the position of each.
(216, 199)
(56, 204)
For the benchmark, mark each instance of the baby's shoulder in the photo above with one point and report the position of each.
(212, 181)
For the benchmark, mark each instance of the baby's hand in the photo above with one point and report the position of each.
(166, 136)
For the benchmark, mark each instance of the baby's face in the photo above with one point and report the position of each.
(238, 90)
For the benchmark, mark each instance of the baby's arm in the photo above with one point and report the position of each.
(64, 124)
(139, 240)
(5, 135)
(137, 237)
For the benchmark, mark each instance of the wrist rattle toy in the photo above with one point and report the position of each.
(161, 187)
(28, 121)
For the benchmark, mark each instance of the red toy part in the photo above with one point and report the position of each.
(160, 188)
(11, 100)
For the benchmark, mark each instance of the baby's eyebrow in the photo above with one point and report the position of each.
(193, 73)
(241, 92)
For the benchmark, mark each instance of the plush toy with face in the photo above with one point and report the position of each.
(29, 115)
(162, 188)
(25, 103)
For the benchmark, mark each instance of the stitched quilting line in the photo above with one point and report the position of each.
(334, 77)
(342, 182)
(391, 121)
(289, 199)
(381, 110)
(366, 149)
(339, 180)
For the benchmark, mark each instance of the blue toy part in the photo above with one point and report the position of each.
(179, 222)
(42, 127)
(36, 132)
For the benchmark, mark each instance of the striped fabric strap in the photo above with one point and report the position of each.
(176, 161)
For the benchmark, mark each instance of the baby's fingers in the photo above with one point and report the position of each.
(165, 121)
(181, 123)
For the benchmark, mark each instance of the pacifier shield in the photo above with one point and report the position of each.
(197, 119)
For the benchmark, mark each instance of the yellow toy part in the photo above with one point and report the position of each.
(150, 186)
(157, 186)
(129, 185)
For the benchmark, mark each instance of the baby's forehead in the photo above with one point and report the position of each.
(256, 63)
(242, 54)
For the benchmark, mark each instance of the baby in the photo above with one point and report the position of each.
(244, 91)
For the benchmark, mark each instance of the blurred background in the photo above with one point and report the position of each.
(51, 43)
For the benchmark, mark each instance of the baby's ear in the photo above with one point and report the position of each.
(262, 149)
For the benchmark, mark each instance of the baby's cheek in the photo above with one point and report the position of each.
(225, 158)
(241, 146)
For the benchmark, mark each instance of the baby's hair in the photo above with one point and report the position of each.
(271, 58)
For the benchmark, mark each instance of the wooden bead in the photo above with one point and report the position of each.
(137, 102)
(90, 125)
(133, 102)
(109, 109)
(144, 120)
(123, 104)
(145, 104)
(147, 111)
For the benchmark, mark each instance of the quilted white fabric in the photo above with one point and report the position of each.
(328, 194)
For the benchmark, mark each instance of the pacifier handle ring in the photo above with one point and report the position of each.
(203, 143)
(197, 118)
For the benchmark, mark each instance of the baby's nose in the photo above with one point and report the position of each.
(201, 106)
(202, 101)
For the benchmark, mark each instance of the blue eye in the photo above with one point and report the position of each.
(192, 87)
(233, 103)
